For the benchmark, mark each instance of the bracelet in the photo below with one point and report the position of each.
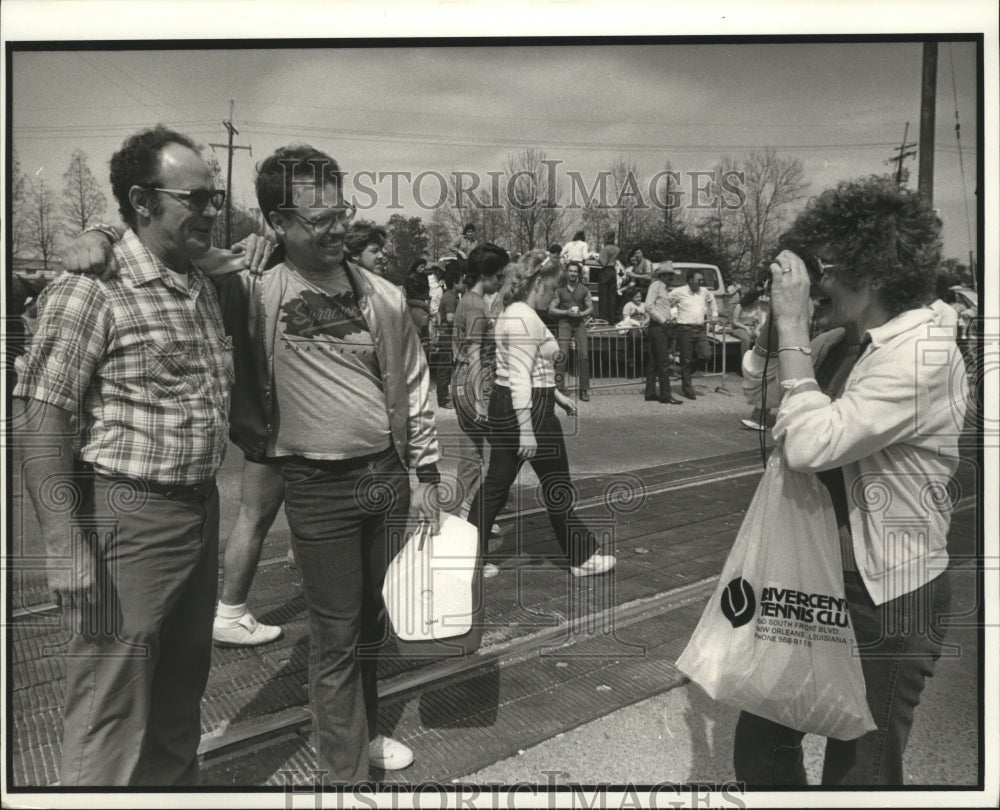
(757, 350)
(804, 349)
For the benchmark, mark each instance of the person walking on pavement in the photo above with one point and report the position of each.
(607, 280)
(444, 357)
(873, 404)
(572, 306)
(475, 367)
(660, 333)
(523, 423)
(143, 363)
(695, 307)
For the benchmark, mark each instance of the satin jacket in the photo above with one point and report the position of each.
(250, 304)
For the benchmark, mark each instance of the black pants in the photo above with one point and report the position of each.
(658, 362)
(607, 294)
(550, 464)
(444, 365)
(692, 344)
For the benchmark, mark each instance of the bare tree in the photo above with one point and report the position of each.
(40, 226)
(745, 224)
(83, 201)
(772, 185)
(533, 200)
(19, 207)
(628, 197)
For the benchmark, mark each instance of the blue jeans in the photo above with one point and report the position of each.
(346, 518)
(899, 642)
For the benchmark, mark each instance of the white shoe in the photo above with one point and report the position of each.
(490, 571)
(597, 564)
(245, 631)
(495, 529)
(389, 754)
(750, 424)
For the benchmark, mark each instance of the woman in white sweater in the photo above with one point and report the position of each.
(522, 419)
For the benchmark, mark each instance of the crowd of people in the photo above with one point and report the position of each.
(318, 368)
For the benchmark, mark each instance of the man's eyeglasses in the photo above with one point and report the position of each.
(196, 199)
(325, 222)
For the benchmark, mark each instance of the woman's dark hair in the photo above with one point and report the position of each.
(417, 286)
(470, 228)
(751, 296)
(417, 265)
(452, 275)
(580, 236)
(301, 164)
(361, 234)
(137, 163)
(485, 260)
(877, 233)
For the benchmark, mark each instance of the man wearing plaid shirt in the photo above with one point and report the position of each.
(130, 377)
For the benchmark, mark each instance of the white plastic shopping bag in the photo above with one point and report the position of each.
(428, 589)
(776, 638)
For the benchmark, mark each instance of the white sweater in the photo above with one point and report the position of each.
(526, 353)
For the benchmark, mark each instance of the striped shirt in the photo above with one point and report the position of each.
(147, 373)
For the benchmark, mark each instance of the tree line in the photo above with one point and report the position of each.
(536, 211)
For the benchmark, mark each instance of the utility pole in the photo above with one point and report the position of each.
(903, 154)
(229, 172)
(927, 100)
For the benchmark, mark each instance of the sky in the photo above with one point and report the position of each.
(839, 107)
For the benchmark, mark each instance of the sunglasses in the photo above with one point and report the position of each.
(196, 199)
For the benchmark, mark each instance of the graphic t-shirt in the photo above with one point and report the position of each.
(327, 381)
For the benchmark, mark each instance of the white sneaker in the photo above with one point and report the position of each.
(389, 754)
(597, 564)
(490, 571)
(245, 631)
(750, 424)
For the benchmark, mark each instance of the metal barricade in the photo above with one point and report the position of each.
(617, 357)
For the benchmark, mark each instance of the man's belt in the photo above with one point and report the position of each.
(180, 492)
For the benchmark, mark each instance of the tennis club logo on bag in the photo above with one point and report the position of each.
(738, 602)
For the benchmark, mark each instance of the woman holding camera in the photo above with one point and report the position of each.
(873, 406)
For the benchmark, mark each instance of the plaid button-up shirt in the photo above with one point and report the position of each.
(142, 362)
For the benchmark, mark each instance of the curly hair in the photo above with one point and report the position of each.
(137, 163)
(361, 234)
(291, 166)
(879, 234)
(520, 275)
